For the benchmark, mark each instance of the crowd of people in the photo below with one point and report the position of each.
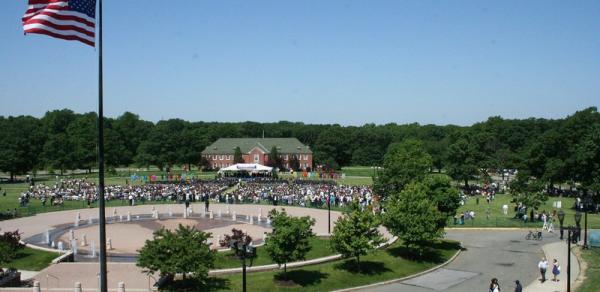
(305, 193)
(84, 190)
(300, 193)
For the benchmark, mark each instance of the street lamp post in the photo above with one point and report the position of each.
(561, 219)
(243, 251)
(588, 203)
(578, 223)
(569, 231)
(574, 233)
(329, 214)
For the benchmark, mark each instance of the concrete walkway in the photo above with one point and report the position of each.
(26, 275)
(558, 251)
(501, 254)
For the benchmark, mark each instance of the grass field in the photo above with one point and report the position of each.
(497, 219)
(356, 181)
(13, 191)
(385, 264)
(365, 171)
(30, 259)
(320, 248)
(592, 281)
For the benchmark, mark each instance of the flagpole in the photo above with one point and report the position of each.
(102, 219)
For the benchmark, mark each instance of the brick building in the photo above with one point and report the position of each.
(256, 150)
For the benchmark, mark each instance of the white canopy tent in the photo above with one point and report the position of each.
(249, 167)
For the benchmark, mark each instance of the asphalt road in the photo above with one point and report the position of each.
(502, 254)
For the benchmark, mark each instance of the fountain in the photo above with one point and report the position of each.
(47, 237)
(93, 249)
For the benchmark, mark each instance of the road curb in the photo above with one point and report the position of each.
(404, 278)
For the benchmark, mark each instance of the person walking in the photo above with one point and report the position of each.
(494, 285)
(206, 202)
(518, 287)
(543, 266)
(555, 270)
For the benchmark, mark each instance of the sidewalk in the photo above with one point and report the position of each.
(556, 250)
(26, 275)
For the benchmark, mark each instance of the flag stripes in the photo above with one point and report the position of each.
(64, 19)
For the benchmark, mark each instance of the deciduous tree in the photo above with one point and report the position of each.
(413, 216)
(290, 239)
(183, 251)
(403, 163)
(237, 155)
(355, 234)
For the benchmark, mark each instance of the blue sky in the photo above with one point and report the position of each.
(346, 62)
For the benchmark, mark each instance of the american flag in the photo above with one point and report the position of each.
(65, 19)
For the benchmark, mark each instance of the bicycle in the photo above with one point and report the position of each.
(534, 235)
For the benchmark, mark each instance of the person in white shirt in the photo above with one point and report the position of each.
(545, 226)
(543, 266)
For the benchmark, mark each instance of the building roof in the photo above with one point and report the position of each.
(284, 145)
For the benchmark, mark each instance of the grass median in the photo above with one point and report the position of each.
(30, 259)
(389, 263)
(592, 274)
(320, 248)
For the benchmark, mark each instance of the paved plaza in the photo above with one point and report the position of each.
(502, 254)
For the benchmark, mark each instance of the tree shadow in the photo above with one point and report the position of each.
(191, 285)
(366, 267)
(430, 253)
(20, 254)
(300, 277)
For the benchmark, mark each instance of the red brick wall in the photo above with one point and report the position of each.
(224, 160)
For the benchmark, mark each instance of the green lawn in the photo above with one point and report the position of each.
(356, 181)
(35, 206)
(13, 191)
(30, 259)
(320, 248)
(366, 171)
(497, 219)
(386, 264)
(592, 275)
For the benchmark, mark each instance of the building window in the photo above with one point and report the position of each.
(305, 157)
(256, 158)
(221, 157)
(229, 157)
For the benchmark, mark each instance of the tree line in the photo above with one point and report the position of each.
(557, 150)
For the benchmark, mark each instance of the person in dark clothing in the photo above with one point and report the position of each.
(206, 203)
(518, 287)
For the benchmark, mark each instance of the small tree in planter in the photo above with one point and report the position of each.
(241, 238)
(10, 244)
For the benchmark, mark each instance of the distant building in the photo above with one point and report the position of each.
(256, 150)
